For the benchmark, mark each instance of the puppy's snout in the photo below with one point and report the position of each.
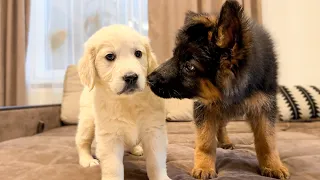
(130, 78)
(155, 78)
(151, 79)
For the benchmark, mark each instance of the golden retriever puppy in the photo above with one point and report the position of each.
(85, 133)
(116, 105)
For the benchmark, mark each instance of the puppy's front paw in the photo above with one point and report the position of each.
(280, 172)
(226, 145)
(137, 150)
(88, 162)
(204, 173)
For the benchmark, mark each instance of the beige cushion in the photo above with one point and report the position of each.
(176, 110)
(71, 96)
(179, 110)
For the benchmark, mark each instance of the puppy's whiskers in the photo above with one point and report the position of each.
(198, 107)
(177, 93)
(150, 83)
(161, 91)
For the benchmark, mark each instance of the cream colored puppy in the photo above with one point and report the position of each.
(113, 69)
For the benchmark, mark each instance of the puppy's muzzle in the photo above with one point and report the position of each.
(156, 79)
(130, 80)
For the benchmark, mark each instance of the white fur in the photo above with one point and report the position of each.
(120, 122)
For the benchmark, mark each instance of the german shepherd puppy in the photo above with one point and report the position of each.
(228, 64)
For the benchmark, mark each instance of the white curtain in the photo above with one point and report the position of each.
(58, 30)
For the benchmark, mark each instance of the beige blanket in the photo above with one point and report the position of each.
(52, 155)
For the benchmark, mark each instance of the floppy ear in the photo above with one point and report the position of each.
(229, 24)
(86, 68)
(152, 61)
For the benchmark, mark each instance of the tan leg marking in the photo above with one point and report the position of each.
(223, 139)
(205, 151)
(266, 149)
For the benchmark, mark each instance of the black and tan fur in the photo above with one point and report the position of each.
(228, 64)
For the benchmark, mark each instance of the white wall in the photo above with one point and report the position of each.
(295, 27)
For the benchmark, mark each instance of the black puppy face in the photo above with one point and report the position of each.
(173, 79)
(185, 75)
(204, 59)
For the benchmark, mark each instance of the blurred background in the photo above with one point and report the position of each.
(40, 38)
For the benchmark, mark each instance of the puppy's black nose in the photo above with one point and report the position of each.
(130, 78)
(156, 78)
(150, 79)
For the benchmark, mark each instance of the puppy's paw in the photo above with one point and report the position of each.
(89, 162)
(280, 172)
(204, 173)
(137, 150)
(226, 145)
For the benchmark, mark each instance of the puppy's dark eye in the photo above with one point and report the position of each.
(111, 57)
(190, 68)
(138, 53)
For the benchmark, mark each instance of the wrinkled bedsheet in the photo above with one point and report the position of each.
(52, 155)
